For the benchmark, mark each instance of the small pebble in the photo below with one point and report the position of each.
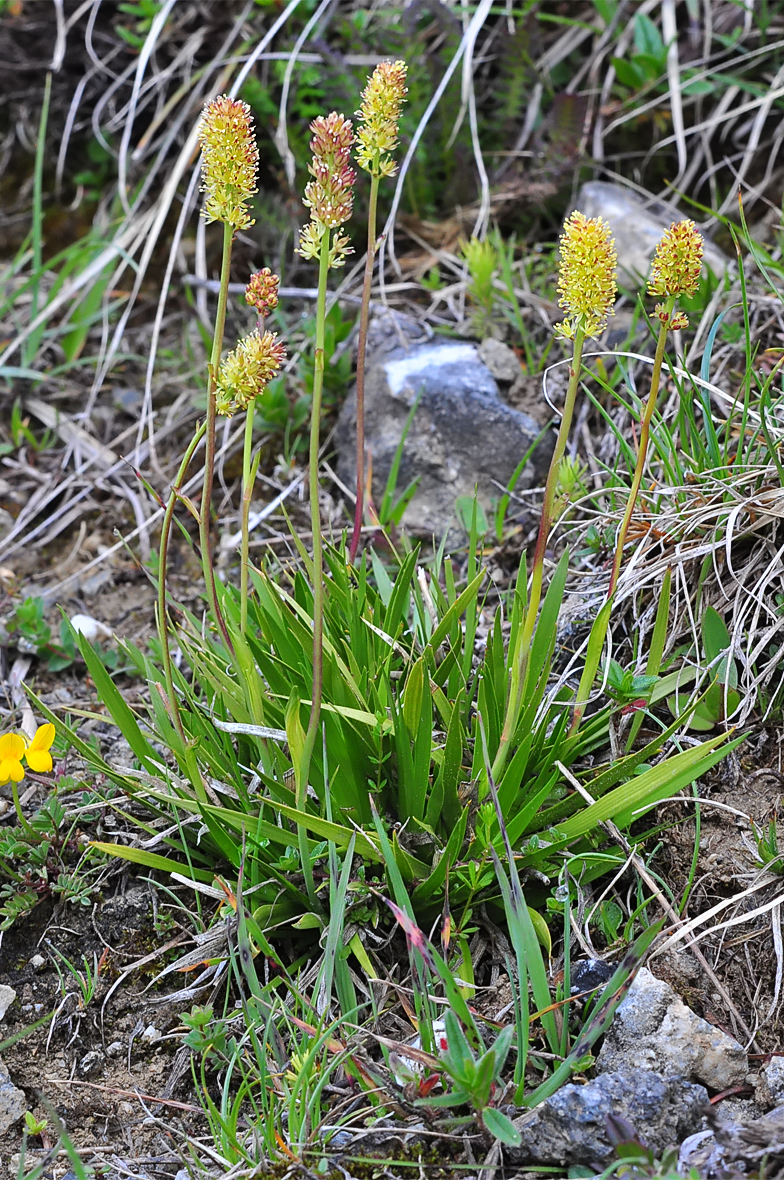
(38, 962)
(151, 1034)
(91, 1063)
(116, 1049)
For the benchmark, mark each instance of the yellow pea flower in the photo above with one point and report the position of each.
(37, 754)
(12, 751)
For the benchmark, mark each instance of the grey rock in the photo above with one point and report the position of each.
(13, 1103)
(773, 1073)
(91, 1063)
(500, 359)
(653, 1029)
(701, 1152)
(462, 434)
(570, 1127)
(736, 1146)
(637, 224)
(7, 997)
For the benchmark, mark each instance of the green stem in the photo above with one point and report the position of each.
(642, 450)
(248, 478)
(523, 647)
(364, 319)
(163, 618)
(318, 564)
(209, 447)
(599, 629)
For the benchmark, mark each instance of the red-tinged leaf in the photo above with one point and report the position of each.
(428, 1084)
(414, 936)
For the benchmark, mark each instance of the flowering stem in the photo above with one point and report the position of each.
(364, 317)
(602, 621)
(209, 447)
(163, 617)
(248, 477)
(642, 450)
(318, 563)
(523, 646)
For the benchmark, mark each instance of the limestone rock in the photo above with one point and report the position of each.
(13, 1103)
(653, 1029)
(637, 224)
(773, 1074)
(570, 1127)
(7, 997)
(462, 434)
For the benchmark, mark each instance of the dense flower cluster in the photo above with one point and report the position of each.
(13, 748)
(330, 195)
(229, 161)
(678, 261)
(586, 276)
(382, 100)
(245, 372)
(262, 291)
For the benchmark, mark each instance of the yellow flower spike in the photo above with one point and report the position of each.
(245, 372)
(37, 753)
(12, 751)
(382, 100)
(586, 276)
(229, 161)
(677, 262)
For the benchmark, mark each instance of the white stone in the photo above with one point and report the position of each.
(653, 1029)
(7, 997)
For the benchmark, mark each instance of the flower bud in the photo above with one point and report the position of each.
(677, 262)
(229, 161)
(245, 372)
(586, 276)
(382, 100)
(262, 291)
(330, 195)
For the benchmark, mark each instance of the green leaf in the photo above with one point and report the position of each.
(542, 930)
(455, 611)
(119, 711)
(501, 1126)
(464, 510)
(715, 635)
(412, 697)
(151, 860)
(667, 778)
(648, 39)
(339, 835)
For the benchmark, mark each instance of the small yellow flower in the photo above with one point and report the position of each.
(12, 750)
(586, 276)
(229, 161)
(245, 372)
(37, 754)
(677, 262)
(382, 100)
